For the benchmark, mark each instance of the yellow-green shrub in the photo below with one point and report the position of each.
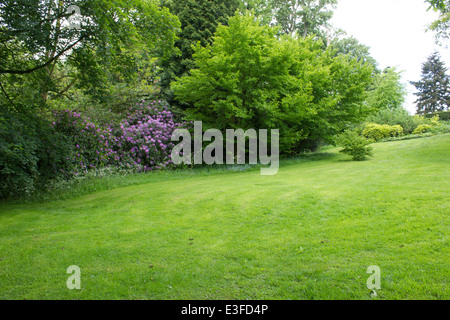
(422, 128)
(378, 132)
(396, 131)
(354, 145)
(434, 121)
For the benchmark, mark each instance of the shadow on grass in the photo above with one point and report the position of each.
(307, 157)
(351, 160)
(92, 183)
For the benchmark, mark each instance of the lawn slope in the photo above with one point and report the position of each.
(310, 232)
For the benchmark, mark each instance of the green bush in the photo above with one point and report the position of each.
(354, 145)
(443, 115)
(405, 120)
(31, 153)
(444, 127)
(378, 132)
(395, 131)
(374, 131)
(18, 160)
(394, 117)
(422, 128)
(434, 121)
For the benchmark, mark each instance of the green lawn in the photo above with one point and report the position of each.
(309, 232)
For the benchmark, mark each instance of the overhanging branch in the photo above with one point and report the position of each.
(56, 57)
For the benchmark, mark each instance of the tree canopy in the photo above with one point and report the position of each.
(352, 47)
(304, 17)
(37, 35)
(250, 78)
(388, 92)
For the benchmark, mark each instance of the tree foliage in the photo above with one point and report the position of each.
(250, 78)
(353, 48)
(199, 20)
(109, 37)
(388, 92)
(304, 17)
(354, 145)
(442, 25)
(295, 17)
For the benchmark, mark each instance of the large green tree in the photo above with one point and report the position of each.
(433, 90)
(350, 46)
(263, 9)
(250, 78)
(387, 91)
(303, 17)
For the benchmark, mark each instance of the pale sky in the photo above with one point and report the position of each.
(395, 32)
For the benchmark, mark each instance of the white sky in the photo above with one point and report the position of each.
(395, 32)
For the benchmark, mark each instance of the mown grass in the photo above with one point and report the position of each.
(310, 232)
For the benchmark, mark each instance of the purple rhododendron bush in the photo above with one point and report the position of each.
(145, 136)
(140, 142)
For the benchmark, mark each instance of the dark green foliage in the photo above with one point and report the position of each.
(199, 20)
(354, 145)
(443, 115)
(434, 87)
(40, 53)
(31, 153)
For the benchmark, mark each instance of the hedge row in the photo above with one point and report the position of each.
(443, 115)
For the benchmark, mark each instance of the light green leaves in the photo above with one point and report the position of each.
(251, 78)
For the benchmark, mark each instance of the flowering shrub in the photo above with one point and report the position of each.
(140, 142)
(146, 139)
(94, 146)
(37, 149)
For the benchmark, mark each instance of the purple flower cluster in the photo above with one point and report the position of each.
(93, 145)
(142, 140)
(147, 132)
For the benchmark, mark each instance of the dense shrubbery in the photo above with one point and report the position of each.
(399, 117)
(30, 153)
(140, 141)
(145, 136)
(422, 128)
(443, 115)
(94, 145)
(34, 150)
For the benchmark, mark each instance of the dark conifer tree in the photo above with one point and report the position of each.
(434, 87)
(199, 20)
